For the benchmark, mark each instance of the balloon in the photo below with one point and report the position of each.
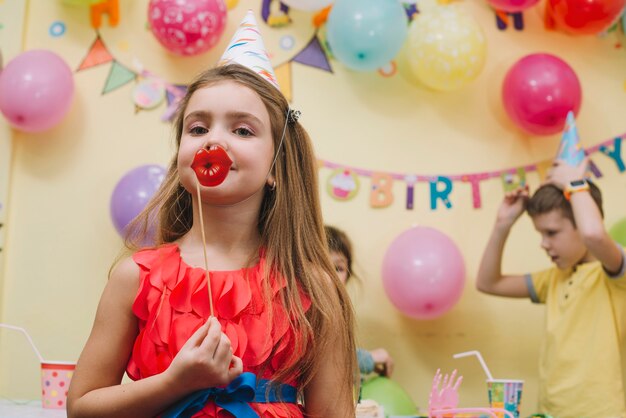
(538, 92)
(390, 395)
(447, 48)
(618, 232)
(36, 90)
(308, 5)
(512, 6)
(366, 34)
(423, 273)
(132, 193)
(187, 27)
(583, 17)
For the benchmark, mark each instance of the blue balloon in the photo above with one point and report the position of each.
(366, 34)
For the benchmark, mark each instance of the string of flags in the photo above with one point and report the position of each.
(151, 90)
(344, 182)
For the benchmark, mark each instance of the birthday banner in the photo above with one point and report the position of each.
(343, 183)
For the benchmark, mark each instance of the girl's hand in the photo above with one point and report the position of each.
(206, 360)
(512, 206)
(383, 362)
(561, 173)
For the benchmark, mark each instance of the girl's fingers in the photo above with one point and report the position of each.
(212, 338)
(223, 352)
(236, 367)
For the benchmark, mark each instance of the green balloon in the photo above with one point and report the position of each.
(390, 395)
(618, 232)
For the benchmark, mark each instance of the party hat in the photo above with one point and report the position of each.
(246, 48)
(570, 149)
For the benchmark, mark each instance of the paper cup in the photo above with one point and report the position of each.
(55, 381)
(505, 394)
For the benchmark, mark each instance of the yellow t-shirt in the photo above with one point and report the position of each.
(582, 362)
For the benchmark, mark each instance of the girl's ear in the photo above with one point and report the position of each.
(271, 182)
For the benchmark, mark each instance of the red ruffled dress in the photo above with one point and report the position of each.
(172, 302)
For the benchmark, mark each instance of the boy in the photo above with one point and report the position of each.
(582, 357)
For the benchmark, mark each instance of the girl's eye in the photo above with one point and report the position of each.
(243, 132)
(198, 130)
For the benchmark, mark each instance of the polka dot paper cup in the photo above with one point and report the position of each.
(55, 381)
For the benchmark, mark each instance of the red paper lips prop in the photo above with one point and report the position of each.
(211, 166)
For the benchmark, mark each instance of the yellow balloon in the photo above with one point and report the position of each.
(446, 48)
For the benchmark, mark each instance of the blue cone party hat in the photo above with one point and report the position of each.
(570, 149)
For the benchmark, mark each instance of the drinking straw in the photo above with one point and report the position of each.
(480, 359)
(30, 340)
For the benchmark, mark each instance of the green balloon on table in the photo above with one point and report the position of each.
(618, 232)
(390, 395)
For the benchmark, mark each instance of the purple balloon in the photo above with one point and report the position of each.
(538, 92)
(133, 192)
(36, 90)
(423, 273)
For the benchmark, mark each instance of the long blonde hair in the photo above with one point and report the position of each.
(291, 229)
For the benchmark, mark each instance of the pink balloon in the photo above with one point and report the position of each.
(512, 6)
(187, 27)
(423, 273)
(538, 91)
(36, 90)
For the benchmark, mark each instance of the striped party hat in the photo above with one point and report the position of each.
(246, 48)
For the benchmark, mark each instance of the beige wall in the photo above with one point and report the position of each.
(61, 241)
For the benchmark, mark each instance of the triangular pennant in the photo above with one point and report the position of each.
(179, 92)
(98, 54)
(174, 93)
(313, 55)
(118, 76)
(283, 75)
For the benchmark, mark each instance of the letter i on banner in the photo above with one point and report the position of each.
(513, 180)
(381, 195)
(437, 194)
(410, 190)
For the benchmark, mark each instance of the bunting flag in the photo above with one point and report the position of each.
(343, 182)
(173, 95)
(98, 54)
(313, 55)
(118, 77)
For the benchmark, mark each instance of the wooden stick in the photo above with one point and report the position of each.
(206, 263)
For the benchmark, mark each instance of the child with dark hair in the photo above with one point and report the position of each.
(340, 247)
(582, 357)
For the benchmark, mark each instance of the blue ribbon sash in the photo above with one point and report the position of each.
(234, 398)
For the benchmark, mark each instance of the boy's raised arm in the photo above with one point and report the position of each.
(490, 278)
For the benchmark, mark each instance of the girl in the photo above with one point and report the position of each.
(340, 247)
(280, 310)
